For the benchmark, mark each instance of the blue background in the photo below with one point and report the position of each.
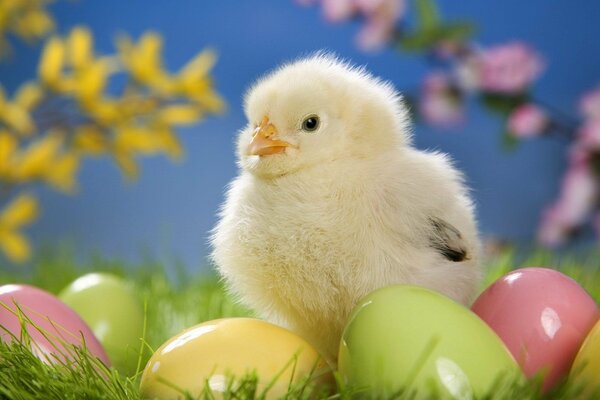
(170, 210)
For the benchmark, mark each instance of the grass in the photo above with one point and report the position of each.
(181, 300)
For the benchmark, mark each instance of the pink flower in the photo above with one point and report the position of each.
(578, 155)
(589, 105)
(438, 104)
(338, 10)
(369, 6)
(508, 68)
(577, 198)
(466, 73)
(552, 231)
(380, 18)
(527, 120)
(589, 134)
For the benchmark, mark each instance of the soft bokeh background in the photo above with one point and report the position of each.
(169, 212)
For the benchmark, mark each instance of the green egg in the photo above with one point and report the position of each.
(412, 340)
(113, 312)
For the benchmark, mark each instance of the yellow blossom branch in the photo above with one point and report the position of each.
(50, 125)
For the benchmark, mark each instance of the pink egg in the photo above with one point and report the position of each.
(543, 317)
(57, 322)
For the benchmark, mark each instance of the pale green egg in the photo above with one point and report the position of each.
(114, 313)
(410, 339)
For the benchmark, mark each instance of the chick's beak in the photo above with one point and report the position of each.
(264, 142)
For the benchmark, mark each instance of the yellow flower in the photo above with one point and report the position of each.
(104, 110)
(180, 114)
(169, 142)
(61, 175)
(79, 45)
(90, 80)
(14, 115)
(144, 60)
(198, 67)
(29, 95)
(69, 67)
(38, 158)
(22, 211)
(8, 146)
(52, 63)
(126, 162)
(193, 81)
(90, 140)
(44, 160)
(89, 75)
(33, 23)
(203, 93)
(130, 138)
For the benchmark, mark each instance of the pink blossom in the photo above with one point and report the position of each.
(380, 17)
(508, 68)
(446, 49)
(579, 155)
(338, 10)
(466, 73)
(577, 197)
(438, 104)
(552, 231)
(578, 193)
(589, 105)
(436, 82)
(527, 120)
(370, 6)
(589, 134)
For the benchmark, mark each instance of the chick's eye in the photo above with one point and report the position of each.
(311, 123)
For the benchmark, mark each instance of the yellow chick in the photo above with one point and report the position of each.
(332, 202)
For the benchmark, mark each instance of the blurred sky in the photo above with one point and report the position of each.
(171, 209)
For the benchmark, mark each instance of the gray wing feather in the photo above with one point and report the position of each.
(448, 240)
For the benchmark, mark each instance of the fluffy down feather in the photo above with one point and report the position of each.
(345, 209)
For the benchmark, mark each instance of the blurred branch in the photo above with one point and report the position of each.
(70, 112)
(501, 79)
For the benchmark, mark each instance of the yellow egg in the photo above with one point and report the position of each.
(586, 367)
(214, 350)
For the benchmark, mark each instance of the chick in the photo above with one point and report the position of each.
(332, 202)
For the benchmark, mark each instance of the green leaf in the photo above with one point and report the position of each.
(595, 164)
(418, 41)
(503, 104)
(457, 31)
(509, 141)
(428, 14)
(426, 39)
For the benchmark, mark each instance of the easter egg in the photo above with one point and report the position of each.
(114, 313)
(213, 351)
(586, 367)
(542, 316)
(50, 324)
(411, 339)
